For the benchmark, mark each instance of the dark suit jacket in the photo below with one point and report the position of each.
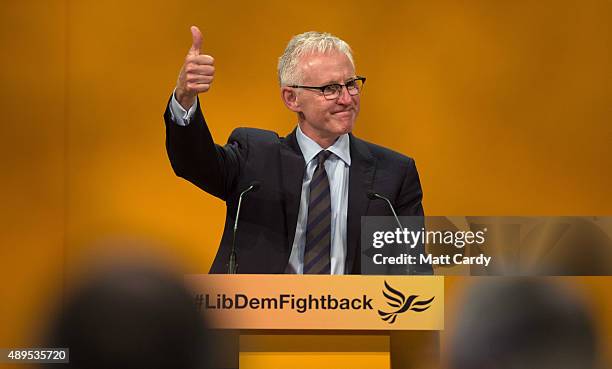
(268, 216)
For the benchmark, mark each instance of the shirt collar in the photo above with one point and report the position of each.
(310, 149)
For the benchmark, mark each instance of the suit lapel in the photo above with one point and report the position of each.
(361, 175)
(292, 175)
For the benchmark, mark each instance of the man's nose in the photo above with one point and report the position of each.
(345, 98)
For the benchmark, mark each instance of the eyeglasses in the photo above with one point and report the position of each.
(334, 90)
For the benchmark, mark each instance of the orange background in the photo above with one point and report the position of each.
(506, 107)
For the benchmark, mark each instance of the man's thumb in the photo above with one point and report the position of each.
(196, 45)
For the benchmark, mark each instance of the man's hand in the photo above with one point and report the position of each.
(196, 74)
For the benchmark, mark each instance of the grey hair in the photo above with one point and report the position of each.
(304, 44)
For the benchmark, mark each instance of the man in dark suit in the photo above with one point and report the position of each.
(313, 183)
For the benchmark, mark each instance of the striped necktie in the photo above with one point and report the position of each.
(318, 229)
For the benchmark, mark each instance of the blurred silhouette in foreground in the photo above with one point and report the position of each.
(131, 316)
(522, 323)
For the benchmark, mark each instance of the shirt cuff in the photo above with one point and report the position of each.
(178, 114)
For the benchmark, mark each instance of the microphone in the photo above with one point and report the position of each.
(376, 196)
(233, 267)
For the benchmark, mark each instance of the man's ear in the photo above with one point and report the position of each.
(290, 99)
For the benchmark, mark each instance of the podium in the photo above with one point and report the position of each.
(322, 321)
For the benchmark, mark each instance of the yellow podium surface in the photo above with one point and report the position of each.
(306, 321)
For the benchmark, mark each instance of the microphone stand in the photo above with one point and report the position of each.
(233, 266)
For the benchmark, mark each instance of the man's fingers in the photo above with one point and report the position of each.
(200, 69)
(198, 78)
(198, 87)
(196, 44)
(199, 59)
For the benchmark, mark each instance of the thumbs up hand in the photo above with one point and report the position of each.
(196, 74)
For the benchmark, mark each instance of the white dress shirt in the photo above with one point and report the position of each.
(337, 168)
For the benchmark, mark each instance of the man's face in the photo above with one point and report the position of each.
(322, 118)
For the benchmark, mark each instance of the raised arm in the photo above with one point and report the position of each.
(191, 149)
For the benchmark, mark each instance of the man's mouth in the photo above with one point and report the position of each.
(343, 112)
